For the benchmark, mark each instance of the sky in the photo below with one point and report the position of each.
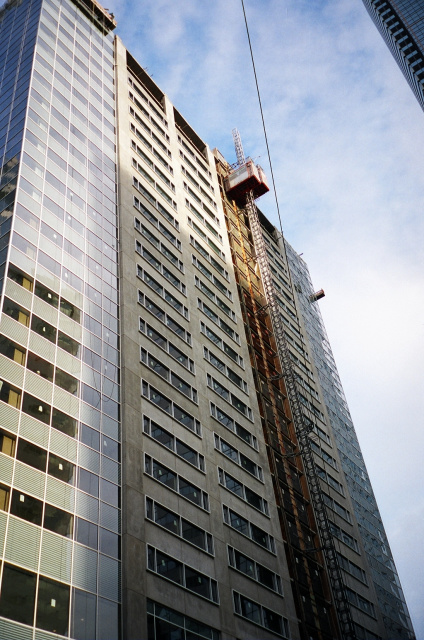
(346, 137)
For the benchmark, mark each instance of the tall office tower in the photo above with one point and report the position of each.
(203, 553)
(401, 23)
(112, 209)
(391, 600)
(59, 418)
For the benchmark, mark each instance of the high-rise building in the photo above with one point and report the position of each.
(152, 481)
(59, 389)
(401, 23)
(382, 570)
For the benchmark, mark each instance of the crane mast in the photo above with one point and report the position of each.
(246, 191)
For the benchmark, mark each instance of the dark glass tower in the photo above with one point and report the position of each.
(401, 23)
(381, 566)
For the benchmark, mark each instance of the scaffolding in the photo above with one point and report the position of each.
(246, 198)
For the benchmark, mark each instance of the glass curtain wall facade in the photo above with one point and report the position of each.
(59, 345)
(388, 589)
(401, 23)
(18, 32)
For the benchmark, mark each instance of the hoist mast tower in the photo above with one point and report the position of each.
(244, 183)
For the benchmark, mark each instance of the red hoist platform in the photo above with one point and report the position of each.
(246, 178)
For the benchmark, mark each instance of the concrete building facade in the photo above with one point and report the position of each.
(200, 525)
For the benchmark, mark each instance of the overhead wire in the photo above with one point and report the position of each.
(262, 116)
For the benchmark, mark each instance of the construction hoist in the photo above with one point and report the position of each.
(244, 183)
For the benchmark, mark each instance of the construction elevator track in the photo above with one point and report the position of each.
(302, 429)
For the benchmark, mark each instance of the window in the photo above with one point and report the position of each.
(361, 603)
(66, 381)
(260, 615)
(176, 482)
(83, 613)
(145, 112)
(10, 394)
(239, 458)
(12, 350)
(248, 529)
(221, 366)
(208, 273)
(52, 606)
(229, 397)
(7, 443)
(156, 264)
(162, 292)
(254, 570)
(207, 291)
(17, 598)
(216, 265)
(26, 507)
(243, 492)
(43, 328)
(152, 150)
(202, 191)
(206, 238)
(150, 147)
(31, 454)
(4, 497)
(188, 148)
(177, 525)
(61, 469)
(348, 540)
(336, 507)
(153, 167)
(168, 406)
(165, 318)
(157, 223)
(322, 434)
(166, 345)
(365, 634)
(15, 311)
(221, 344)
(218, 321)
(40, 367)
(232, 425)
(164, 622)
(201, 219)
(155, 185)
(323, 454)
(20, 278)
(167, 439)
(332, 482)
(45, 294)
(58, 521)
(169, 255)
(36, 408)
(170, 376)
(148, 130)
(197, 172)
(352, 568)
(64, 423)
(312, 408)
(182, 574)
